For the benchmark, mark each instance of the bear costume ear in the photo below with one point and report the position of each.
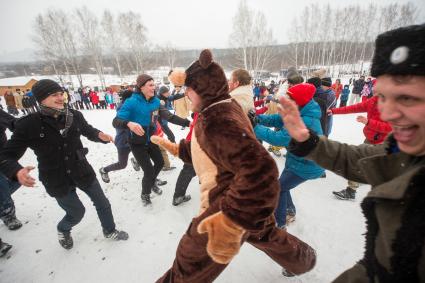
(205, 58)
(177, 77)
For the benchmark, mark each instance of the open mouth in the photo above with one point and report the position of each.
(404, 133)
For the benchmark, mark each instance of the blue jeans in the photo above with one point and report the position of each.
(7, 188)
(74, 208)
(288, 181)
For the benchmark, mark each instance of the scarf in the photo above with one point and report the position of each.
(57, 113)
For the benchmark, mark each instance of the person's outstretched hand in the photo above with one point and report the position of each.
(136, 128)
(171, 147)
(24, 177)
(291, 118)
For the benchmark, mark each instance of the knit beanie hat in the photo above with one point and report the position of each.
(317, 82)
(301, 93)
(163, 89)
(327, 82)
(400, 52)
(142, 80)
(43, 88)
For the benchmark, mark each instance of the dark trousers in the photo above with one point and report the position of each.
(168, 132)
(288, 181)
(122, 160)
(143, 154)
(7, 188)
(193, 264)
(342, 103)
(183, 181)
(75, 209)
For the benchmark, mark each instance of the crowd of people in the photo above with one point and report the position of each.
(243, 198)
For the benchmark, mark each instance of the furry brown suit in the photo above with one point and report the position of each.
(239, 187)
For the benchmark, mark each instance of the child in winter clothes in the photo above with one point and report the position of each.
(297, 170)
(344, 96)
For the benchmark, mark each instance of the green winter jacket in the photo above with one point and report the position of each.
(394, 208)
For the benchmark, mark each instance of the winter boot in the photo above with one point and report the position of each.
(168, 168)
(159, 182)
(135, 164)
(146, 200)
(156, 190)
(276, 152)
(12, 222)
(65, 240)
(346, 194)
(323, 175)
(287, 273)
(180, 200)
(290, 218)
(104, 175)
(116, 235)
(4, 248)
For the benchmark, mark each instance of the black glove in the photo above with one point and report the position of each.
(253, 117)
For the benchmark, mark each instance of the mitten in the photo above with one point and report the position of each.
(172, 148)
(224, 237)
(252, 117)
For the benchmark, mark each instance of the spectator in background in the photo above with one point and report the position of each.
(337, 88)
(357, 91)
(344, 96)
(241, 90)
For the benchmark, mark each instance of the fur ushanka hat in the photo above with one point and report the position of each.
(400, 52)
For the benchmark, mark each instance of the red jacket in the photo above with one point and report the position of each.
(375, 130)
(337, 89)
(94, 98)
(263, 109)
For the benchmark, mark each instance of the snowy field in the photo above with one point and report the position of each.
(333, 227)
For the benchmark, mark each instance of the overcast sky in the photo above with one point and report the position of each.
(184, 23)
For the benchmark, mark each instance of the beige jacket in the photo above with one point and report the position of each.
(244, 95)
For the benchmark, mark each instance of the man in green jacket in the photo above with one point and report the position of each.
(395, 207)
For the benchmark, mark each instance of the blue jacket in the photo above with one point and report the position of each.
(310, 114)
(137, 109)
(345, 93)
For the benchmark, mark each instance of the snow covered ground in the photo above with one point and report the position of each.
(333, 227)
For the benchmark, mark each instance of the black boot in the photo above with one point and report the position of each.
(146, 200)
(65, 240)
(180, 200)
(135, 164)
(104, 175)
(4, 248)
(12, 222)
(159, 182)
(156, 190)
(116, 235)
(346, 194)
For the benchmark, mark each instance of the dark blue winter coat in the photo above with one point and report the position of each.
(122, 135)
(345, 94)
(310, 114)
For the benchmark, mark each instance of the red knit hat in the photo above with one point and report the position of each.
(301, 93)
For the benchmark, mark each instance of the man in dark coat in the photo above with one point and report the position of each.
(7, 186)
(54, 136)
(395, 207)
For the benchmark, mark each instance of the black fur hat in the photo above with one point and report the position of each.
(400, 52)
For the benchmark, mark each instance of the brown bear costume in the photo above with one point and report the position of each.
(239, 186)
